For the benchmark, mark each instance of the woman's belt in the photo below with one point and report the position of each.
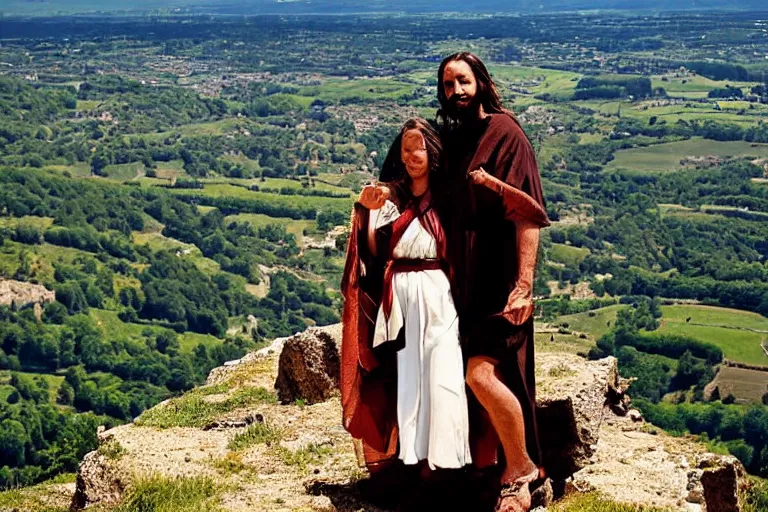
(398, 266)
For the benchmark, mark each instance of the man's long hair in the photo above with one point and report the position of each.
(487, 93)
(393, 169)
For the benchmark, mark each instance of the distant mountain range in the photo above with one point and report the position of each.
(41, 7)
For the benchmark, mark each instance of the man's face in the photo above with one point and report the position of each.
(413, 152)
(459, 84)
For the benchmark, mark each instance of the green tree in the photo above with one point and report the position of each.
(13, 439)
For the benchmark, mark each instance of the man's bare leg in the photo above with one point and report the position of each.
(506, 415)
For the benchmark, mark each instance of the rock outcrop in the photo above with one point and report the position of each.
(97, 482)
(22, 293)
(724, 482)
(309, 366)
(572, 395)
(307, 460)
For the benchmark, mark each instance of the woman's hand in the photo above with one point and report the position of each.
(519, 306)
(373, 197)
(479, 176)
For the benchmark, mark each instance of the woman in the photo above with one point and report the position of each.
(414, 330)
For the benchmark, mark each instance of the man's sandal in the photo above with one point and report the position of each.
(519, 491)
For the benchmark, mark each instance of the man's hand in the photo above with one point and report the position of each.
(479, 176)
(519, 306)
(373, 197)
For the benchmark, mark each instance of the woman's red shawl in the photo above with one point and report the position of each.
(368, 398)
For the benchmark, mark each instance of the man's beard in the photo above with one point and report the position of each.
(461, 112)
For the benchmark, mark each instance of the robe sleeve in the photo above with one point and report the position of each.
(518, 206)
(516, 163)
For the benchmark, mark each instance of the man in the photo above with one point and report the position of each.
(494, 261)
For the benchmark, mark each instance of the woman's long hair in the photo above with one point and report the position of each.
(487, 93)
(393, 169)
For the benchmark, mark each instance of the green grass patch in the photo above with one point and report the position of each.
(42, 257)
(41, 223)
(124, 172)
(538, 80)
(568, 255)
(558, 342)
(179, 494)
(593, 502)
(198, 408)
(258, 433)
(667, 157)
(289, 201)
(78, 170)
(743, 346)
(170, 169)
(43, 497)
(53, 381)
(694, 86)
(87, 105)
(672, 113)
(112, 450)
(596, 322)
(159, 242)
(723, 327)
(757, 496)
(231, 464)
(109, 323)
(28, 499)
(714, 315)
(309, 455)
(259, 220)
(219, 127)
(189, 340)
(373, 89)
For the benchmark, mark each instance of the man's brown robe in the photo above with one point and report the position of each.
(483, 248)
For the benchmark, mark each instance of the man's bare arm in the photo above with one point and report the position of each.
(518, 206)
(527, 250)
(520, 305)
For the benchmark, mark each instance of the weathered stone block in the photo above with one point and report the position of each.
(309, 366)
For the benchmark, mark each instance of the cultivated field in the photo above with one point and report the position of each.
(667, 157)
(737, 333)
(592, 322)
(743, 384)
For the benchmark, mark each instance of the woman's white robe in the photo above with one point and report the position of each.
(432, 411)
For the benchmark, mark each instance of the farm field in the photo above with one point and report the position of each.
(277, 184)
(744, 384)
(569, 343)
(275, 200)
(592, 322)
(722, 327)
(158, 242)
(78, 170)
(691, 86)
(568, 255)
(336, 89)
(258, 220)
(109, 323)
(666, 157)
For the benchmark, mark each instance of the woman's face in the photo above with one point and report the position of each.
(413, 153)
